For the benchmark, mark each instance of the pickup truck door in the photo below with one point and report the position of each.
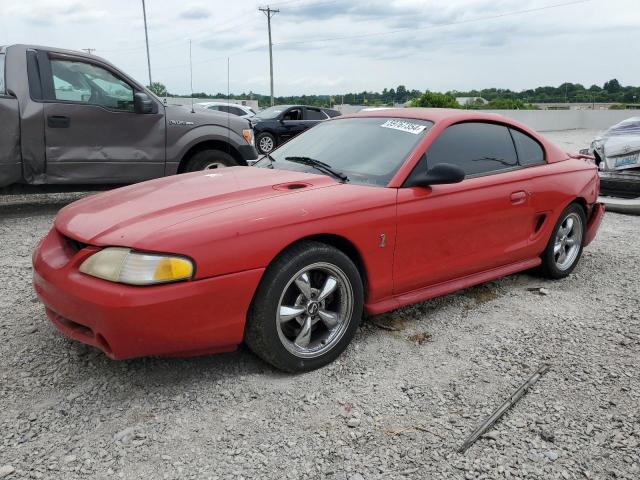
(92, 133)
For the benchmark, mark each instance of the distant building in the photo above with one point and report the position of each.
(464, 101)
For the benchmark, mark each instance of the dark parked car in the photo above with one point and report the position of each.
(275, 125)
(68, 118)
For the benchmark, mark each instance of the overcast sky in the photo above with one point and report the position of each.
(329, 46)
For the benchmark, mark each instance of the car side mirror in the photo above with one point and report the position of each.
(142, 103)
(439, 174)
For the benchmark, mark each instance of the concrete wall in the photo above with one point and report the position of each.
(551, 120)
(187, 101)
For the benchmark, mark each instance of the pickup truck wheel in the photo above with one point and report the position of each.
(209, 160)
(265, 142)
(306, 309)
(565, 245)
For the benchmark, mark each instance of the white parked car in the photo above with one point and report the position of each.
(232, 108)
(617, 154)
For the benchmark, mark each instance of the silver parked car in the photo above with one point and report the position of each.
(617, 154)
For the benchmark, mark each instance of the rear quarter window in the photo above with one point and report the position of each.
(529, 150)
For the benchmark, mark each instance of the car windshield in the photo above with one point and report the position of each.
(269, 113)
(368, 151)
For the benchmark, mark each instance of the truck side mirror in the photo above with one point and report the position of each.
(142, 103)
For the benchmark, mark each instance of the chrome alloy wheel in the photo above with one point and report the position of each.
(266, 144)
(314, 310)
(568, 241)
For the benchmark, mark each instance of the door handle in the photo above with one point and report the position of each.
(518, 198)
(58, 121)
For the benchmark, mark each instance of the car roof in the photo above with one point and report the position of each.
(62, 51)
(432, 114)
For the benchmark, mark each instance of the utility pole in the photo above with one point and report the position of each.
(146, 37)
(269, 12)
(89, 50)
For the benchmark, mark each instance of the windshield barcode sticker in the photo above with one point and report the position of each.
(403, 126)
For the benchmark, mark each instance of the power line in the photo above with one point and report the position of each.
(269, 12)
(432, 27)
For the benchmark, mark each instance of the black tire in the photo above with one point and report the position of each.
(549, 267)
(265, 136)
(209, 159)
(262, 333)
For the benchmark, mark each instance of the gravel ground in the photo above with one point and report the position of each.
(410, 388)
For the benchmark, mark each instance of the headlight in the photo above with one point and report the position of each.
(247, 133)
(125, 266)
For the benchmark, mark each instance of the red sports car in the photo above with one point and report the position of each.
(364, 212)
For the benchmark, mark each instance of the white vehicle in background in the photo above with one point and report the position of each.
(617, 154)
(232, 108)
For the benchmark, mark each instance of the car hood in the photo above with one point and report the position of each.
(125, 216)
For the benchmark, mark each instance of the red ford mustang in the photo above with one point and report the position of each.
(365, 212)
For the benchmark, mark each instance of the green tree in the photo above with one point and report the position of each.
(158, 88)
(401, 94)
(612, 86)
(435, 100)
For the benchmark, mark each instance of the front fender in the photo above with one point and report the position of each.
(180, 142)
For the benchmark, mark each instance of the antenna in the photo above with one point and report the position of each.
(228, 109)
(191, 72)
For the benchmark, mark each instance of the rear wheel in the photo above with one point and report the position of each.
(306, 309)
(209, 160)
(565, 245)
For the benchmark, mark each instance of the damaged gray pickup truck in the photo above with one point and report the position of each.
(68, 118)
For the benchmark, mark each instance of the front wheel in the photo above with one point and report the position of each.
(266, 142)
(306, 309)
(565, 245)
(209, 160)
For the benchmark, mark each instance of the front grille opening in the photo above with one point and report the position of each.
(74, 245)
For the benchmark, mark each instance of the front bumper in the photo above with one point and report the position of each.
(179, 319)
(248, 152)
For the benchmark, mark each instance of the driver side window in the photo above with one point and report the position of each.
(81, 82)
(293, 114)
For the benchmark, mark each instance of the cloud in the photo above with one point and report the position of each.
(195, 12)
(57, 12)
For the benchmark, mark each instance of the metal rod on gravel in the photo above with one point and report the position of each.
(498, 412)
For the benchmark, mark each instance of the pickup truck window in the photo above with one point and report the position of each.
(2, 90)
(86, 83)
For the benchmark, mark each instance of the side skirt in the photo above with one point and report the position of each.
(450, 286)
